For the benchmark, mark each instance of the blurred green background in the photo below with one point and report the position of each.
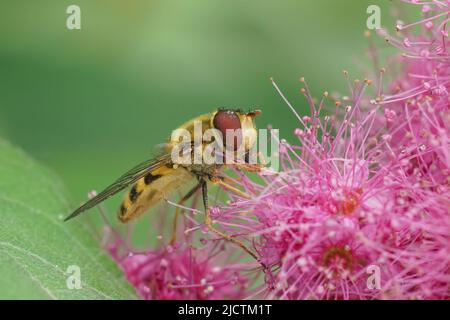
(91, 103)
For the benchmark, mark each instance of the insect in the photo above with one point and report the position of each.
(153, 180)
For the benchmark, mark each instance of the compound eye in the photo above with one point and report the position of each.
(228, 120)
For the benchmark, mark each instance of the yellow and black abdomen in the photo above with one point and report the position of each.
(151, 189)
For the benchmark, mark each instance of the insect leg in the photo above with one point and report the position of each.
(226, 184)
(249, 167)
(209, 223)
(178, 210)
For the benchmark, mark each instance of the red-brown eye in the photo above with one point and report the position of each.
(228, 120)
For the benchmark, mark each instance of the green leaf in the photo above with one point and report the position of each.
(37, 247)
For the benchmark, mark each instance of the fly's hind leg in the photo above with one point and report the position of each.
(210, 224)
(178, 210)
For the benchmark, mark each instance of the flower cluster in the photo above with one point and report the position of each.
(183, 273)
(361, 206)
(360, 209)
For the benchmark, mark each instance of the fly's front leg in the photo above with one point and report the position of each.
(251, 167)
(226, 183)
(210, 223)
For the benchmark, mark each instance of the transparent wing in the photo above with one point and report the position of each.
(130, 177)
(160, 149)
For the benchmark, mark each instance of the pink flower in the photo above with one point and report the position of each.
(419, 98)
(342, 204)
(181, 273)
(363, 189)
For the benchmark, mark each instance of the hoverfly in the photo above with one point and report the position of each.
(153, 180)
